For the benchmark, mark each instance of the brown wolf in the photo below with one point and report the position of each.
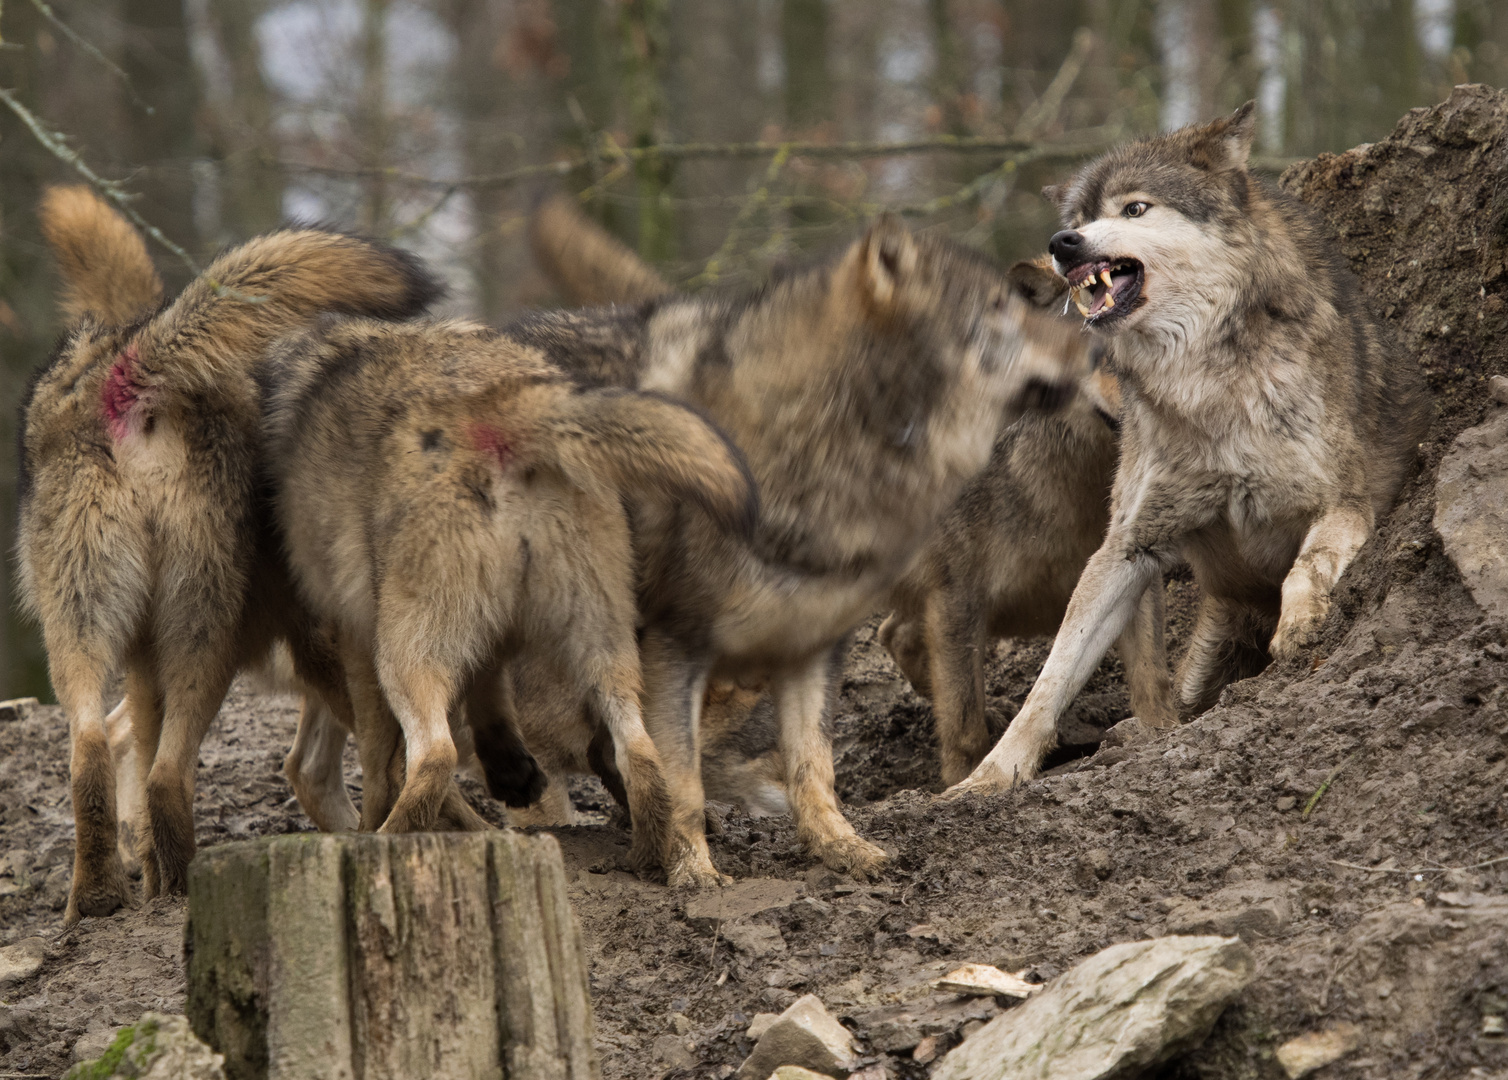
(1006, 557)
(451, 502)
(139, 537)
(865, 393)
(1267, 418)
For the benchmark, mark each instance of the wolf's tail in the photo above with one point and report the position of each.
(105, 266)
(267, 287)
(585, 262)
(651, 446)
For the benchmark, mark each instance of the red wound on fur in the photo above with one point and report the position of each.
(489, 440)
(121, 393)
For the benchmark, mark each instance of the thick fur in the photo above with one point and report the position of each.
(590, 265)
(140, 542)
(1267, 420)
(865, 392)
(452, 503)
(1005, 559)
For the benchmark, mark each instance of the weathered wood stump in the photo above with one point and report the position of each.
(373, 957)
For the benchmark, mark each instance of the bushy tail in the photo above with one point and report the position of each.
(586, 263)
(652, 446)
(267, 287)
(106, 269)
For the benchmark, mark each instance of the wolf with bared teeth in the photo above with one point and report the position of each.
(1268, 420)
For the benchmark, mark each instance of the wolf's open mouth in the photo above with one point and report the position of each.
(1106, 289)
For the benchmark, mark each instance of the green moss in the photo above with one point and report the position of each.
(142, 1035)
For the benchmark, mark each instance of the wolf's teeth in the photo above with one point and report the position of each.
(1083, 308)
(1109, 299)
(1105, 277)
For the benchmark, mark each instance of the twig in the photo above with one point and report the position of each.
(1420, 869)
(1046, 108)
(1324, 787)
(55, 143)
(88, 47)
(761, 196)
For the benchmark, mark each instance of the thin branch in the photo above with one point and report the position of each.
(88, 47)
(761, 196)
(56, 144)
(1046, 108)
(1420, 869)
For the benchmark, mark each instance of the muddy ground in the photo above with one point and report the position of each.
(1382, 905)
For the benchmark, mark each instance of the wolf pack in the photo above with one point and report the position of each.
(634, 539)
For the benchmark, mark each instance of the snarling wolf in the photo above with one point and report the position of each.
(1006, 557)
(140, 541)
(865, 393)
(1267, 418)
(451, 502)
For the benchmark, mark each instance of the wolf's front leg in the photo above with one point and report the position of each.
(802, 699)
(674, 684)
(1330, 545)
(1144, 654)
(1102, 605)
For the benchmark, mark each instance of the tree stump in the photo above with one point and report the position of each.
(348, 957)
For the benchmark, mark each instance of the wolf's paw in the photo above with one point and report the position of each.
(988, 779)
(101, 893)
(695, 874)
(852, 855)
(1293, 636)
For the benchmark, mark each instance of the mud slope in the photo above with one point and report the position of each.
(1353, 910)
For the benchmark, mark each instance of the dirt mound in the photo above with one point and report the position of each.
(1343, 813)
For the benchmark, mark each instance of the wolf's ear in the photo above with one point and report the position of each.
(1226, 143)
(104, 262)
(1053, 193)
(1036, 283)
(889, 258)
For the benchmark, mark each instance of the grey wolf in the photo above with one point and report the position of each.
(1267, 418)
(140, 542)
(452, 503)
(865, 392)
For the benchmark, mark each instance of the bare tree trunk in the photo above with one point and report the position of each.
(645, 32)
(373, 113)
(808, 87)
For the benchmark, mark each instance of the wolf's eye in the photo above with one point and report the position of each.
(1136, 209)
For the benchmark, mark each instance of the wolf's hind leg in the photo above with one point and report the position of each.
(1328, 548)
(1144, 653)
(616, 707)
(955, 644)
(674, 687)
(313, 768)
(802, 705)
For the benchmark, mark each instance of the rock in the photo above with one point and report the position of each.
(894, 1028)
(1127, 1008)
(1471, 511)
(19, 708)
(796, 1072)
(740, 900)
(1092, 866)
(1301, 1056)
(1497, 389)
(926, 1051)
(157, 1047)
(92, 1044)
(672, 1051)
(1249, 910)
(760, 1024)
(21, 961)
(1129, 732)
(807, 1035)
(752, 938)
(981, 980)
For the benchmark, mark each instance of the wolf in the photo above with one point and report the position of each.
(865, 392)
(139, 541)
(452, 502)
(1267, 418)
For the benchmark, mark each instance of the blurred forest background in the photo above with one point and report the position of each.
(715, 136)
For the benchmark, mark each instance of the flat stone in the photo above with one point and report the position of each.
(752, 938)
(1248, 910)
(156, 1047)
(21, 961)
(1124, 1010)
(672, 1051)
(796, 1072)
(1471, 511)
(982, 980)
(893, 1028)
(760, 1024)
(741, 899)
(806, 1035)
(1301, 1056)
(20, 708)
(92, 1045)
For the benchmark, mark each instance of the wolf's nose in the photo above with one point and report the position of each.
(1066, 245)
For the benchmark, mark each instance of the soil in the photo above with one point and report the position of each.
(1342, 812)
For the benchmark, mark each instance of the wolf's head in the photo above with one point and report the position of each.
(1157, 235)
